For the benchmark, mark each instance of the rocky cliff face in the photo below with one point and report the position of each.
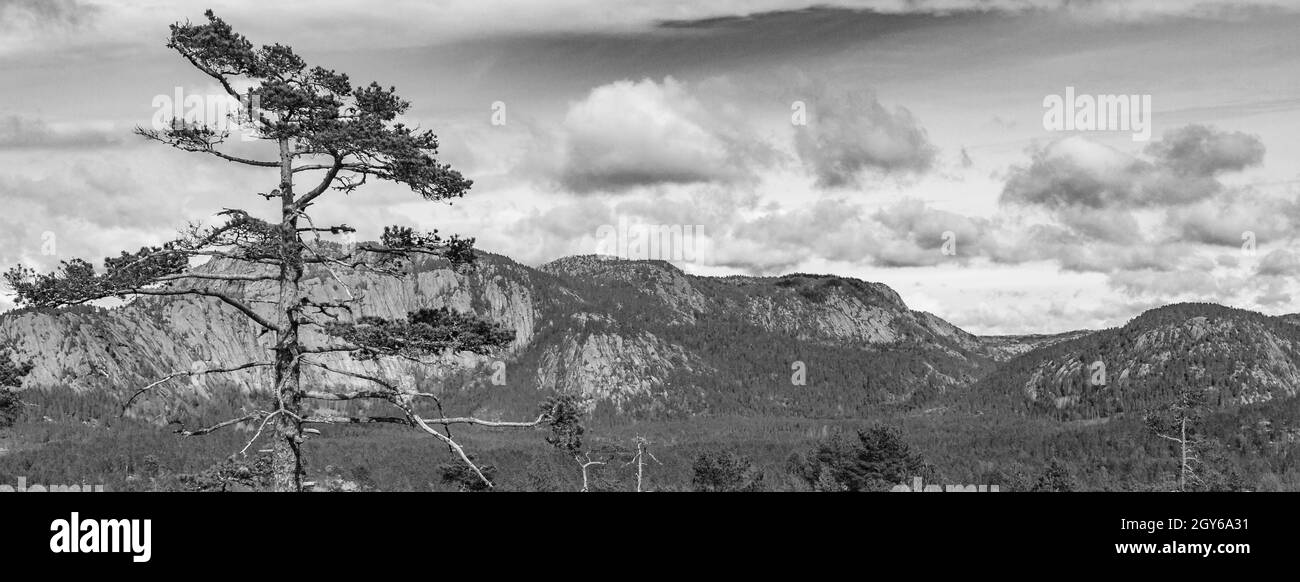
(128, 347)
(810, 307)
(625, 332)
(743, 333)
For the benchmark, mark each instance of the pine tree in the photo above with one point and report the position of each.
(566, 413)
(336, 137)
(716, 471)
(876, 460)
(11, 378)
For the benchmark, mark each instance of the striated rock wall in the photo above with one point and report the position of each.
(614, 330)
(130, 346)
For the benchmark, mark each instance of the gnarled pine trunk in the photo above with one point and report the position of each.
(287, 469)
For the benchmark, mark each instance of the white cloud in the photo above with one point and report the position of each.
(850, 133)
(628, 134)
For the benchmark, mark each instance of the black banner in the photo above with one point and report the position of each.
(1079, 533)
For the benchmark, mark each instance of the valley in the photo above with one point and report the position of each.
(690, 363)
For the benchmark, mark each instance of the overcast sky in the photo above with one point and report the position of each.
(922, 118)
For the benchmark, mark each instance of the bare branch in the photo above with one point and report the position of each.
(198, 139)
(322, 187)
(260, 428)
(246, 310)
(175, 375)
(237, 304)
(355, 395)
(453, 445)
(258, 163)
(495, 423)
(217, 277)
(315, 251)
(414, 419)
(220, 425)
(379, 381)
(349, 167)
(356, 420)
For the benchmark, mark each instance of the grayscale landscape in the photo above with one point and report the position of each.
(711, 247)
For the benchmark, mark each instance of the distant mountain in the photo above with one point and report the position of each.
(1291, 318)
(1005, 347)
(740, 341)
(1235, 356)
(643, 338)
(640, 337)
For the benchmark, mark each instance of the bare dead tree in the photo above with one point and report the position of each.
(1177, 423)
(642, 451)
(586, 462)
(337, 137)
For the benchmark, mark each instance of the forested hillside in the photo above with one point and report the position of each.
(1234, 356)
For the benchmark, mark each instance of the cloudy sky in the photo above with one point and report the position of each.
(852, 138)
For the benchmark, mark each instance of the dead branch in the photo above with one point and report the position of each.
(175, 375)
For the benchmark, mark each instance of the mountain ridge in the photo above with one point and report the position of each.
(1236, 356)
(639, 337)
